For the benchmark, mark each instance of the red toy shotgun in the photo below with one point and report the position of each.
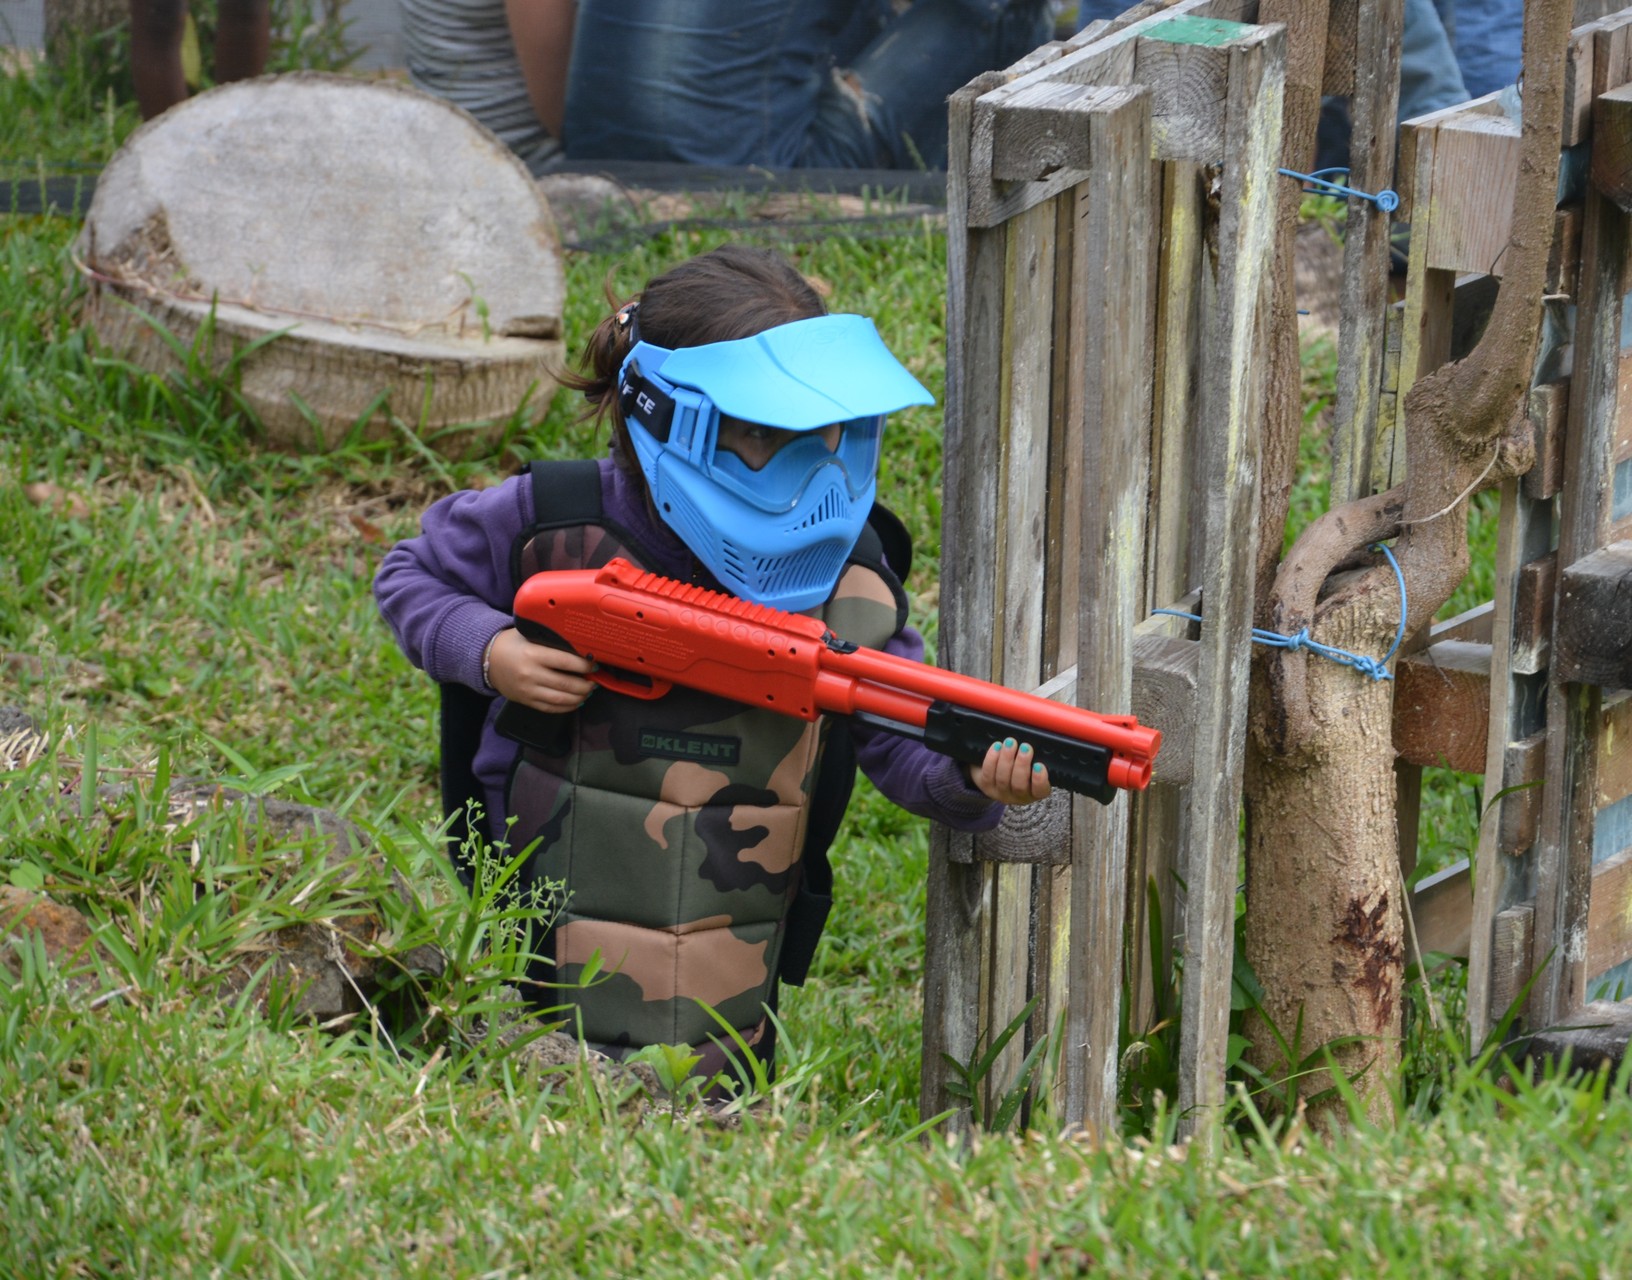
(650, 633)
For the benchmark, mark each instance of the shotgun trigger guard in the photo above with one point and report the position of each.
(647, 688)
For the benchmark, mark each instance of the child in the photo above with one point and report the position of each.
(690, 831)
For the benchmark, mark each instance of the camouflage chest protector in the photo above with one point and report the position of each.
(690, 831)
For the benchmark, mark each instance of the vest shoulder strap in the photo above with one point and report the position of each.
(565, 492)
(892, 538)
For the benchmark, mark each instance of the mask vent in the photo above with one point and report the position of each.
(831, 507)
(681, 515)
(815, 569)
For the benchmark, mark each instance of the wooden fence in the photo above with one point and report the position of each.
(1530, 688)
(1111, 207)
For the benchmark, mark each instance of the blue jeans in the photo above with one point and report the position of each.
(839, 84)
(1488, 36)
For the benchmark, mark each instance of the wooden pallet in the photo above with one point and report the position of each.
(1529, 689)
(1088, 248)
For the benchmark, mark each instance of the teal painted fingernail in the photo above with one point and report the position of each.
(1025, 748)
(1036, 768)
(997, 746)
(1008, 742)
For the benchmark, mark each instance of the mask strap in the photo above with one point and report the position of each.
(643, 401)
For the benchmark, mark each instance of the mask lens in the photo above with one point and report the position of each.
(757, 445)
(772, 471)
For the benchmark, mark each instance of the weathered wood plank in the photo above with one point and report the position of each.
(1476, 161)
(1033, 834)
(1038, 132)
(1442, 706)
(1564, 259)
(1342, 49)
(1563, 870)
(952, 910)
(1443, 910)
(1609, 917)
(1366, 247)
(1156, 839)
(1426, 319)
(1472, 626)
(1027, 380)
(1441, 913)
(1592, 641)
(1620, 480)
(1164, 696)
(1232, 394)
(1052, 888)
(1515, 748)
(1112, 274)
(1519, 820)
(975, 309)
(1533, 613)
(1615, 752)
(1112, 60)
(1513, 939)
(1182, 298)
(1425, 328)
(1064, 530)
(1547, 407)
(1578, 67)
(1612, 145)
(1185, 65)
(1413, 166)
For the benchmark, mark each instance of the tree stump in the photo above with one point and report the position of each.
(357, 257)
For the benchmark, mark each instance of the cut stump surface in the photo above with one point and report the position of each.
(392, 255)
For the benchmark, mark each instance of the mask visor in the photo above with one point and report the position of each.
(778, 486)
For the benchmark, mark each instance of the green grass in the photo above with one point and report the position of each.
(184, 603)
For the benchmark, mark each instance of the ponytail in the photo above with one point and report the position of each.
(604, 353)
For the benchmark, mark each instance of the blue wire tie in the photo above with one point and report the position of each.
(1376, 668)
(1386, 200)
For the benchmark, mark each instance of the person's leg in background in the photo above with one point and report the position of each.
(887, 108)
(1429, 75)
(1429, 80)
(155, 54)
(243, 38)
(1093, 10)
(732, 82)
(1488, 36)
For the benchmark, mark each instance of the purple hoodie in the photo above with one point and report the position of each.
(447, 593)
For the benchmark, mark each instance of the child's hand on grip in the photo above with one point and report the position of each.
(1010, 774)
(537, 675)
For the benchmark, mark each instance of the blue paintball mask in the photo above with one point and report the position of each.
(778, 534)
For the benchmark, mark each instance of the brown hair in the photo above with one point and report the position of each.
(731, 292)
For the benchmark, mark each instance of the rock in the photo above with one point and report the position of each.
(1595, 1039)
(15, 720)
(64, 934)
(328, 965)
(554, 1049)
(326, 962)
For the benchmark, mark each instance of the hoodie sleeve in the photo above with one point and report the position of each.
(447, 593)
(908, 773)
